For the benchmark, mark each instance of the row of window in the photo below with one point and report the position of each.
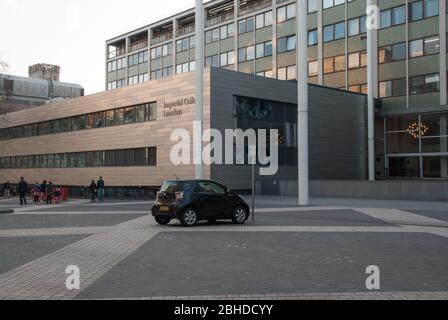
(222, 33)
(185, 67)
(417, 85)
(164, 72)
(417, 48)
(162, 51)
(138, 79)
(111, 85)
(338, 63)
(108, 158)
(138, 58)
(185, 44)
(116, 65)
(120, 116)
(417, 10)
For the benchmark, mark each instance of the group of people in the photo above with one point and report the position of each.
(97, 189)
(44, 192)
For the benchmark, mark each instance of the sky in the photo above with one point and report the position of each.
(72, 33)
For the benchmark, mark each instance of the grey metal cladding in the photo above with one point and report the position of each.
(337, 126)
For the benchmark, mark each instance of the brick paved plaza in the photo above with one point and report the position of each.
(319, 252)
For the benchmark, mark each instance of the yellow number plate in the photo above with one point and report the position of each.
(164, 209)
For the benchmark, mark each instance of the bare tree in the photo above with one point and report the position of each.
(3, 66)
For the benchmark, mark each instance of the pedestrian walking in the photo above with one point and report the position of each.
(22, 188)
(7, 188)
(93, 189)
(101, 189)
(43, 190)
(36, 193)
(49, 192)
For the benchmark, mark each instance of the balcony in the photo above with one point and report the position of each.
(139, 41)
(248, 6)
(220, 13)
(116, 49)
(185, 25)
(162, 33)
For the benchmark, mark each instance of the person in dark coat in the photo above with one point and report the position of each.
(22, 188)
(49, 192)
(43, 190)
(92, 189)
(100, 186)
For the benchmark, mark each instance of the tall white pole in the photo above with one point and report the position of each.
(371, 27)
(302, 101)
(199, 57)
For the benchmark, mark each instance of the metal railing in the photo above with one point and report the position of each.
(162, 38)
(116, 53)
(224, 17)
(255, 7)
(139, 45)
(185, 30)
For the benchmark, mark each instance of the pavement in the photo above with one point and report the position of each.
(289, 252)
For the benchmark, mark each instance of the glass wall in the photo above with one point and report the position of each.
(417, 146)
(251, 113)
(114, 117)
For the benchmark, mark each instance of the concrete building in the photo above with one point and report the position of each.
(44, 71)
(18, 93)
(258, 37)
(124, 134)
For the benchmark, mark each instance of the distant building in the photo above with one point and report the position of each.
(44, 71)
(18, 93)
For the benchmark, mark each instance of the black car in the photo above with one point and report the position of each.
(191, 201)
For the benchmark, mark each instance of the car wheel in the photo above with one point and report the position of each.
(189, 217)
(240, 215)
(162, 220)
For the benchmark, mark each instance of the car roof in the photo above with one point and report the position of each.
(193, 181)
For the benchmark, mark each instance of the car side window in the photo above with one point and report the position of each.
(216, 188)
(210, 187)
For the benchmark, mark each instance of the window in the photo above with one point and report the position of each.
(423, 47)
(328, 65)
(312, 37)
(424, 84)
(339, 30)
(212, 61)
(246, 54)
(416, 10)
(263, 20)
(431, 8)
(312, 6)
(353, 60)
(286, 13)
(227, 58)
(392, 88)
(353, 27)
(395, 52)
(210, 37)
(246, 25)
(286, 73)
(385, 19)
(286, 44)
(313, 68)
(264, 49)
(227, 31)
(151, 111)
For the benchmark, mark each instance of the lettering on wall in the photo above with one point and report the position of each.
(175, 108)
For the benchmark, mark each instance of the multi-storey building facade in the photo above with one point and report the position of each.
(258, 37)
